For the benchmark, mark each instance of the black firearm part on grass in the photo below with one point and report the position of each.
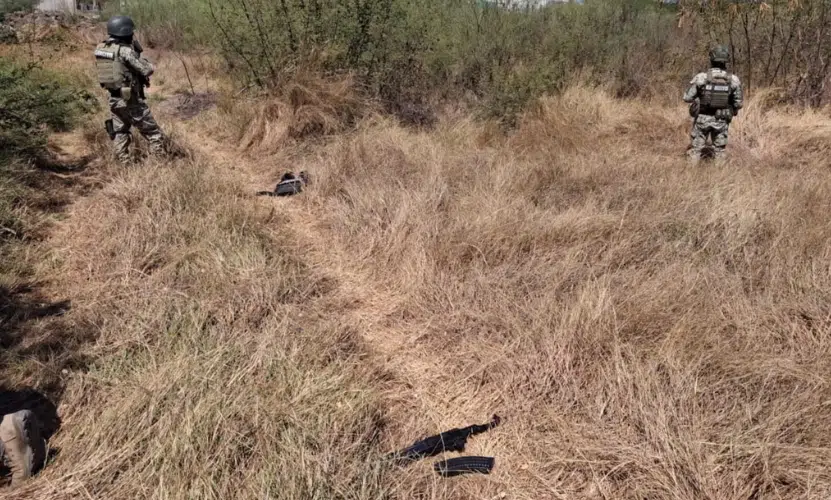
(452, 440)
(463, 465)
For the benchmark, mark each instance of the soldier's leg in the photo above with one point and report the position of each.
(720, 141)
(121, 128)
(143, 120)
(122, 138)
(698, 139)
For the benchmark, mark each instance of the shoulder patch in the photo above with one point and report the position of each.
(104, 54)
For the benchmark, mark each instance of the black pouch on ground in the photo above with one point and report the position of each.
(452, 440)
(289, 184)
(463, 465)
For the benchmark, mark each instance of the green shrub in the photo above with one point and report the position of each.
(9, 6)
(171, 24)
(406, 52)
(33, 103)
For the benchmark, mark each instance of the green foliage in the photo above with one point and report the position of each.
(9, 6)
(406, 51)
(32, 103)
(172, 24)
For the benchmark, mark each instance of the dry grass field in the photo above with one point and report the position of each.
(648, 329)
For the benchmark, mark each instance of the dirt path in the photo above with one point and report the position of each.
(368, 304)
(420, 386)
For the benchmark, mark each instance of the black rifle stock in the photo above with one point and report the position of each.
(452, 440)
(145, 82)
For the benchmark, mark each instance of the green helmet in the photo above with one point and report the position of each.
(719, 54)
(120, 27)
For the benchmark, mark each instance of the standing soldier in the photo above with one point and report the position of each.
(124, 73)
(715, 98)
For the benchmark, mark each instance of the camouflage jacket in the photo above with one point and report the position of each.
(139, 67)
(699, 80)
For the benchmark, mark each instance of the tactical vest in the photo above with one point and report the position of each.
(111, 71)
(715, 94)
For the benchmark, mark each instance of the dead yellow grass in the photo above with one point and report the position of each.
(307, 106)
(648, 329)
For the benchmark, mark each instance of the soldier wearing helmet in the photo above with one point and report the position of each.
(124, 73)
(715, 98)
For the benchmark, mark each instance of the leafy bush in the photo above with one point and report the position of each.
(32, 103)
(170, 24)
(406, 53)
(9, 6)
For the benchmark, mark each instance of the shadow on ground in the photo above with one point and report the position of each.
(37, 341)
(39, 338)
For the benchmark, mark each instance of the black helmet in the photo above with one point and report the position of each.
(120, 27)
(719, 54)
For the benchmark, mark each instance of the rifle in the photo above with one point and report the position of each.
(145, 82)
(452, 440)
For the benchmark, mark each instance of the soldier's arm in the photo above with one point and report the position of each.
(692, 90)
(690, 94)
(738, 93)
(138, 64)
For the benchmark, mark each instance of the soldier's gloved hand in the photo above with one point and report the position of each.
(695, 108)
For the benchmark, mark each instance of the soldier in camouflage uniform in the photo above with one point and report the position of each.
(715, 98)
(124, 73)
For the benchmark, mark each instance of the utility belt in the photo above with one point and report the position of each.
(125, 93)
(708, 111)
(718, 113)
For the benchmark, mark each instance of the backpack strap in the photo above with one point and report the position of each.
(711, 77)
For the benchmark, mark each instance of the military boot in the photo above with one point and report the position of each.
(22, 443)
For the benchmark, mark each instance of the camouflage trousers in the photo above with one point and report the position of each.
(704, 127)
(127, 114)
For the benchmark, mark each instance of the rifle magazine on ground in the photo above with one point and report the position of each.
(464, 465)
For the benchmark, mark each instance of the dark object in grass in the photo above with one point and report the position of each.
(452, 440)
(464, 465)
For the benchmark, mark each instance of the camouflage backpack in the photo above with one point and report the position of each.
(716, 92)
